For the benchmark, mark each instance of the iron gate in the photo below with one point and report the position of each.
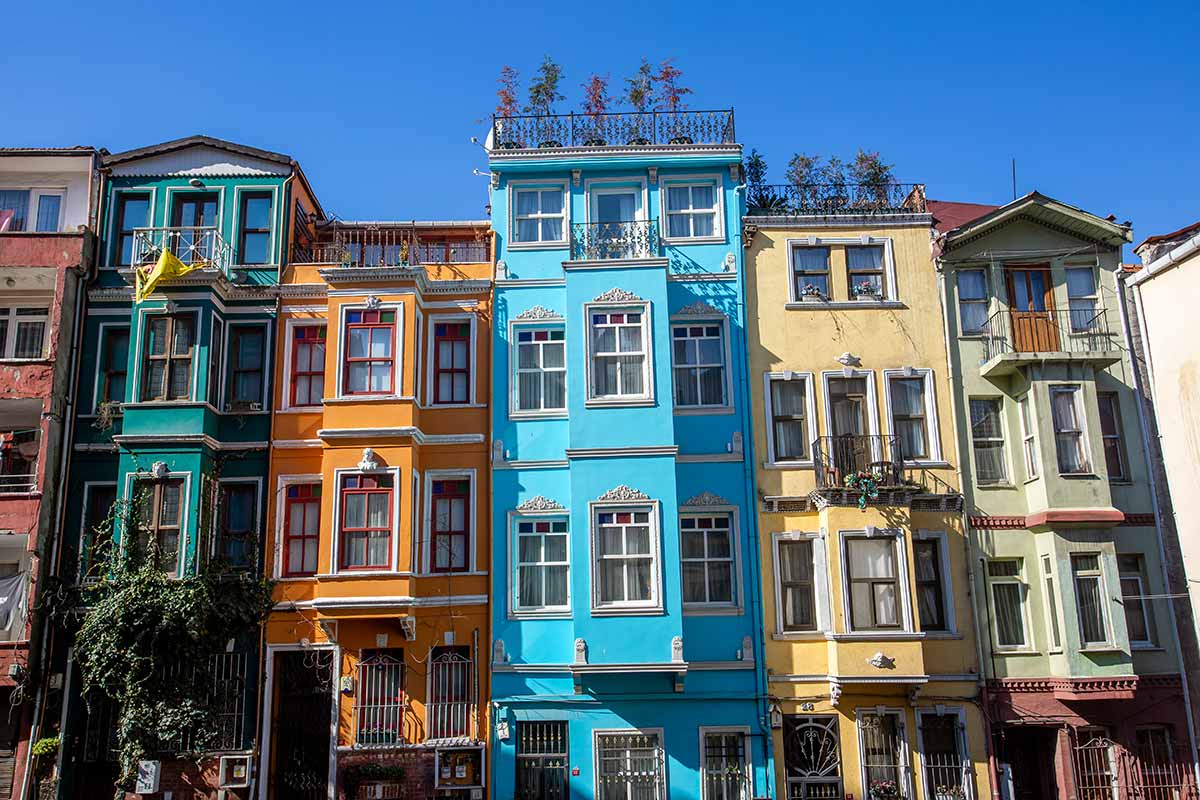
(1105, 770)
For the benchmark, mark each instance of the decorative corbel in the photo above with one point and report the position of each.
(653, 171)
(495, 180)
(575, 175)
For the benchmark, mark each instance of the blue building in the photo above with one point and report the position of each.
(626, 649)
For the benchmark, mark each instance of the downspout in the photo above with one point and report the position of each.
(748, 462)
(1158, 515)
(60, 510)
(951, 375)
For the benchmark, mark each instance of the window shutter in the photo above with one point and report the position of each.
(821, 584)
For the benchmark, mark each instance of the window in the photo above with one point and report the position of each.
(725, 771)
(1081, 294)
(451, 362)
(449, 713)
(308, 365)
(216, 361)
(238, 535)
(864, 269)
(541, 370)
(1138, 621)
(1089, 597)
(1051, 603)
(790, 429)
(133, 211)
(114, 365)
(23, 332)
(699, 354)
(873, 582)
(797, 584)
(692, 211)
(618, 354)
(167, 365)
(366, 524)
(626, 556)
(541, 564)
(1154, 748)
(160, 521)
(1008, 602)
(49, 212)
(943, 756)
(972, 301)
(629, 766)
(931, 600)
(812, 760)
(379, 706)
(246, 371)
(301, 529)
(1068, 430)
(707, 555)
(884, 753)
(369, 339)
(1028, 442)
(1111, 433)
(15, 205)
(451, 519)
(14, 209)
(909, 416)
(97, 529)
(254, 238)
(987, 441)
(810, 272)
(540, 216)
(18, 459)
(542, 760)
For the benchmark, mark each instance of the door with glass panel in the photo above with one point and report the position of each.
(194, 217)
(852, 452)
(1031, 309)
(542, 759)
(616, 230)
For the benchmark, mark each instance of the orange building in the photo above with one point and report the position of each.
(378, 513)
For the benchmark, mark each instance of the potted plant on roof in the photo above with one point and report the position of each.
(595, 105)
(639, 93)
(874, 179)
(799, 174)
(543, 94)
(672, 94)
(507, 110)
(833, 175)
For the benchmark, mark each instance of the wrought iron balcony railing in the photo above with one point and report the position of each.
(203, 247)
(1078, 329)
(371, 246)
(839, 458)
(600, 241)
(629, 128)
(832, 199)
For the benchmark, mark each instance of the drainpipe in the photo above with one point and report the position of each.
(1158, 511)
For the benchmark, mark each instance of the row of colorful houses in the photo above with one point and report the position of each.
(651, 483)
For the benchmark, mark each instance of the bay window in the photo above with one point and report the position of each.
(254, 234)
(1138, 620)
(1028, 440)
(930, 575)
(366, 521)
(618, 354)
(1111, 433)
(541, 370)
(987, 440)
(625, 553)
(1008, 603)
(160, 522)
(114, 365)
(248, 343)
(237, 537)
(370, 337)
(169, 347)
(874, 583)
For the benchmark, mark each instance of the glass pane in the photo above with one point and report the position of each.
(1081, 282)
(864, 258)
(257, 213)
(527, 230)
(552, 201)
(355, 515)
(678, 198)
(48, 212)
(678, 226)
(1010, 626)
(31, 337)
(527, 203)
(377, 510)
(972, 285)
(553, 355)
(872, 558)
(985, 419)
(811, 259)
(255, 248)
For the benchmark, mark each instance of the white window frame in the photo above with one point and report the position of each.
(932, 427)
(289, 327)
(8, 311)
(713, 180)
(872, 399)
(431, 360)
(515, 610)
(1054, 619)
(398, 363)
(662, 753)
(904, 766)
(748, 765)
(335, 527)
(1147, 609)
(84, 533)
(822, 589)
(280, 527)
(885, 283)
(1006, 478)
(515, 326)
(473, 555)
(960, 715)
(1029, 445)
(946, 576)
(35, 197)
(810, 413)
(646, 398)
(902, 579)
(722, 322)
(655, 603)
(540, 186)
(890, 292)
(1023, 590)
(736, 604)
(1076, 391)
(985, 301)
(1100, 575)
(1094, 297)
(593, 188)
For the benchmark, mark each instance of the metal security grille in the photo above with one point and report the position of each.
(448, 714)
(947, 771)
(811, 757)
(380, 704)
(541, 760)
(630, 766)
(883, 755)
(1106, 770)
(726, 776)
(227, 673)
(1096, 768)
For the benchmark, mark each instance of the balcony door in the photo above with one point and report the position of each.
(616, 230)
(1031, 309)
(189, 212)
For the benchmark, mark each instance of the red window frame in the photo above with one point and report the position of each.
(443, 493)
(369, 321)
(312, 337)
(364, 485)
(450, 333)
(301, 494)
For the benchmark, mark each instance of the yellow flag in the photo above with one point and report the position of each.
(168, 266)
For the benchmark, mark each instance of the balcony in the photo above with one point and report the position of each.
(623, 129)
(870, 469)
(203, 247)
(604, 241)
(835, 199)
(1013, 339)
(398, 246)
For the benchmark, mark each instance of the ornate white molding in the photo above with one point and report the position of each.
(880, 661)
(581, 652)
(699, 309)
(677, 649)
(540, 503)
(159, 470)
(372, 302)
(848, 359)
(616, 295)
(538, 312)
(707, 498)
(369, 462)
(623, 492)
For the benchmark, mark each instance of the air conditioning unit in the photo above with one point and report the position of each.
(234, 772)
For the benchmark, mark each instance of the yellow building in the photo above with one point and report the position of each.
(872, 664)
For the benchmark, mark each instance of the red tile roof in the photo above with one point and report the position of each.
(1166, 237)
(948, 215)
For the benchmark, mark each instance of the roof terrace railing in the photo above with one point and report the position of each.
(833, 199)
(627, 128)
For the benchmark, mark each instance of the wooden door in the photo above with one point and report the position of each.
(1031, 310)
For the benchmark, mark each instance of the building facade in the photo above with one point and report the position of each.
(872, 665)
(47, 251)
(380, 516)
(626, 658)
(1084, 679)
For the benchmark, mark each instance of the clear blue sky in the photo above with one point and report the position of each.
(1097, 101)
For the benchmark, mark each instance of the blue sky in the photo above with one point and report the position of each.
(1096, 101)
